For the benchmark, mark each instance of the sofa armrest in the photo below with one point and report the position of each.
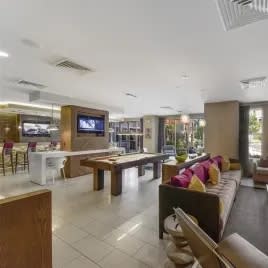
(240, 253)
(203, 206)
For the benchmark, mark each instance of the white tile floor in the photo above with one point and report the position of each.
(94, 229)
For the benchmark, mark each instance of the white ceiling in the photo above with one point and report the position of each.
(137, 46)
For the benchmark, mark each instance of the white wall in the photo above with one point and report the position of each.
(152, 123)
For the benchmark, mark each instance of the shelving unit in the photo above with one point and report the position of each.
(126, 134)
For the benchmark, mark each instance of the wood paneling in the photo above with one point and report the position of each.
(222, 128)
(9, 127)
(73, 141)
(26, 231)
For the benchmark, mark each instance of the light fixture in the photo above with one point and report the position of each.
(202, 122)
(52, 126)
(256, 82)
(130, 95)
(185, 118)
(3, 54)
(185, 77)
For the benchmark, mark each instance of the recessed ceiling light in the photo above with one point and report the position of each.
(131, 95)
(30, 43)
(3, 54)
(185, 77)
(166, 108)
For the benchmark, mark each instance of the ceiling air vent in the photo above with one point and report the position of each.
(71, 65)
(237, 13)
(30, 84)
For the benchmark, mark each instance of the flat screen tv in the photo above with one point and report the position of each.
(35, 129)
(91, 124)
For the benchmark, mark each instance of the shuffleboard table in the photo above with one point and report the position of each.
(117, 163)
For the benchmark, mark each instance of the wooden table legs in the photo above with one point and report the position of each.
(98, 179)
(116, 182)
(156, 170)
(141, 171)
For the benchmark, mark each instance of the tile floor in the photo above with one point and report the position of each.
(94, 229)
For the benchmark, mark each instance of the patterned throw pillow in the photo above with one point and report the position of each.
(197, 185)
(214, 174)
(225, 164)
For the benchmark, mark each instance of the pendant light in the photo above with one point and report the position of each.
(52, 126)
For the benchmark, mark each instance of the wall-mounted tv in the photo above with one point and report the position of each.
(35, 129)
(91, 124)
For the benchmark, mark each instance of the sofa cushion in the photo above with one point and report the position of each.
(225, 165)
(214, 174)
(263, 163)
(199, 171)
(234, 175)
(196, 184)
(240, 253)
(262, 170)
(218, 159)
(226, 190)
(235, 166)
(180, 181)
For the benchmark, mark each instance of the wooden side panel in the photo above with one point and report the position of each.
(73, 141)
(26, 231)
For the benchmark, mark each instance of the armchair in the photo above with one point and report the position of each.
(232, 252)
(260, 171)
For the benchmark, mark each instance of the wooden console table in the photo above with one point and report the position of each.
(172, 167)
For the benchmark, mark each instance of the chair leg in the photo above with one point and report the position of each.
(16, 163)
(24, 162)
(12, 163)
(3, 165)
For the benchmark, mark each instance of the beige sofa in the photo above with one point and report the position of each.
(205, 206)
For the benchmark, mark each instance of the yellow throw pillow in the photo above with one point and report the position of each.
(225, 164)
(235, 166)
(214, 174)
(196, 184)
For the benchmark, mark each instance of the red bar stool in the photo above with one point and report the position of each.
(6, 158)
(22, 157)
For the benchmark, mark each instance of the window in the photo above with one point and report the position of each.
(255, 132)
(184, 136)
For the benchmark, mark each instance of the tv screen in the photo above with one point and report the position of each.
(90, 124)
(35, 129)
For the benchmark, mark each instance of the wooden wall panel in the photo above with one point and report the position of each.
(222, 128)
(26, 231)
(9, 127)
(73, 141)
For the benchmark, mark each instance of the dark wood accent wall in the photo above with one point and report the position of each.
(73, 141)
(26, 231)
(9, 127)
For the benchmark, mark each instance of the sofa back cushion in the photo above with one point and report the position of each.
(206, 164)
(263, 163)
(200, 172)
(218, 160)
(182, 180)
